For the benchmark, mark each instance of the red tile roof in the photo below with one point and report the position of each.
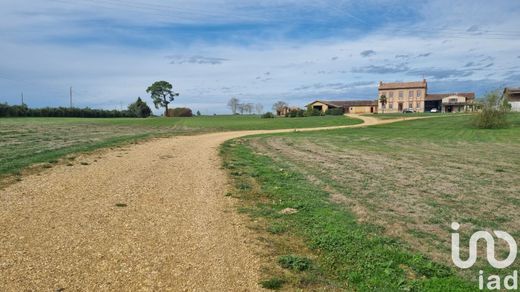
(439, 96)
(402, 85)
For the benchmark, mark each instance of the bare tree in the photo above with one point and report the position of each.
(259, 108)
(233, 104)
(278, 106)
(249, 108)
(241, 108)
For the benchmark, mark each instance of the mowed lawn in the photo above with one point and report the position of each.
(375, 205)
(24, 141)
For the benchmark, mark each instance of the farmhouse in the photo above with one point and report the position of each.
(414, 95)
(513, 96)
(348, 106)
(450, 102)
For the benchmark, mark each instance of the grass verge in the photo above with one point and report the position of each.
(345, 254)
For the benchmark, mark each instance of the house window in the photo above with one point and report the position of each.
(418, 105)
(453, 100)
(391, 94)
(419, 93)
(410, 93)
(401, 94)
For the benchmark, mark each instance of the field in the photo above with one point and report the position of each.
(374, 205)
(25, 141)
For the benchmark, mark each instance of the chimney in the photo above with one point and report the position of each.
(380, 83)
(424, 80)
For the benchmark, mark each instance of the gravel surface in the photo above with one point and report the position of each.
(151, 216)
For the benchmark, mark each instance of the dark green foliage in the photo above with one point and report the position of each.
(58, 112)
(199, 114)
(494, 112)
(335, 111)
(267, 115)
(180, 112)
(273, 283)
(294, 262)
(162, 94)
(295, 113)
(312, 112)
(140, 109)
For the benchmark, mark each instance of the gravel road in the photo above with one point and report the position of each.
(151, 216)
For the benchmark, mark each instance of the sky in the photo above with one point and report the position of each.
(296, 51)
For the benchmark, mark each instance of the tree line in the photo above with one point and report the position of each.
(237, 107)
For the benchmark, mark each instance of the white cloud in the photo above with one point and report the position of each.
(206, 73)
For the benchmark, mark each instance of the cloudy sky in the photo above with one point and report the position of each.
(109, 51)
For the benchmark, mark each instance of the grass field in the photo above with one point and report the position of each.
(387, 116)
(25, 141)
(375, 204)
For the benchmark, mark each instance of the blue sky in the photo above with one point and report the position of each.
(109, 51)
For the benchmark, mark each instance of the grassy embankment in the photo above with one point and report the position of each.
(375, 204)
(25, 141)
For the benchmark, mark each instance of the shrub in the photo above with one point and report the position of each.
(267, 115)
(335, 111)
(494, 112)
(183, 112)
(140, 109)
(294, 262)
(295, 113)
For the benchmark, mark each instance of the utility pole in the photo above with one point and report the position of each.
(70, 95)
(22, 98)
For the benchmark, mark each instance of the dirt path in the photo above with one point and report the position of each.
(176, 229)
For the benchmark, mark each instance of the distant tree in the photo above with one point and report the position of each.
(383, 102)
(140, 109)
(248, 107)
(278, 106)
(259, 108)
(198, 113)
(241, 108)
(162, 94)
(233, 104)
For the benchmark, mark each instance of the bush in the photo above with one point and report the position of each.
(339, 111)
(140, 109)
(295, 113)
(182, 112)
(267, 115)
(494, 112)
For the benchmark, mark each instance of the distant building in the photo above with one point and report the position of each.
(348, 106)
(513, 96)
(402, 96)
(450, 102)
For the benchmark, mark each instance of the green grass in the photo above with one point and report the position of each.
(387, 116)
(375, 204)
(26, 141)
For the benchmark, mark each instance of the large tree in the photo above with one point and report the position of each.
(279, 106)
(233, 104)
(162, 94)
